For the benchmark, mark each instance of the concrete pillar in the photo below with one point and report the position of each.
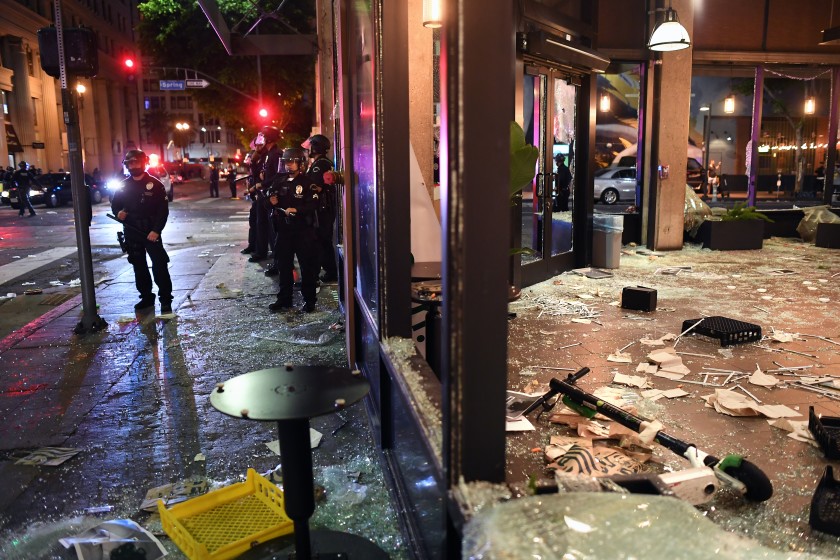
(672, 100)
(53, 125)
(105, 126)
(421, 95)
(20, 99)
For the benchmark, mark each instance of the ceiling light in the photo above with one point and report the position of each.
(669, 35)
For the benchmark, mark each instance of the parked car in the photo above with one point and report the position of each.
(163, 176)
(56, 191)
(694, 173)
(615, 183)
(157, 171)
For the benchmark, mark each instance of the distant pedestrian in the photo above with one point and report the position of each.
(562, 184)
(214, 181)
(23, 180)
(232, 181)
(142, 205)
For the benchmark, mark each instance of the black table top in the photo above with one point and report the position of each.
(289, 392)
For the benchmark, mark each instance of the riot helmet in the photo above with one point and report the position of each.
(317, 144)
(23, 165)
(296, 156)
(268, 135)
(135, 161)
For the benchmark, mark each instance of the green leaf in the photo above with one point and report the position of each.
(523, 160)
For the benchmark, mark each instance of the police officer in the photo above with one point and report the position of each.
(254, 161)
(318, 146)
(141, 204)
(272, 168)
(23, 179)
(294, 204)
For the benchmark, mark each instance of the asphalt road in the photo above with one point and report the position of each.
(40, 252)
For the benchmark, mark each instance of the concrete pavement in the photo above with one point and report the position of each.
(134, 401)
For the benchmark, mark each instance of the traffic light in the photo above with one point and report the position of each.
(80, 51)
(130, 68)
(263, 112)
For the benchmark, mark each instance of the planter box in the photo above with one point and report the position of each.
(737, 235)
(828, 236)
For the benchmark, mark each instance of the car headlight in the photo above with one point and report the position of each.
(34, 192)
(113, 185)
(5, 194)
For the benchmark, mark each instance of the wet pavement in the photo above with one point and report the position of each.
(134, 400)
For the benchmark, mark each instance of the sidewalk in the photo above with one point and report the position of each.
(134, 400)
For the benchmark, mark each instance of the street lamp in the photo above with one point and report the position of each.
(183, 132)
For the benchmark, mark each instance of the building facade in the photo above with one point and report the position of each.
(108, 104)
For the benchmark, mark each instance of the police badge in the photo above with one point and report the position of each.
(150, 186)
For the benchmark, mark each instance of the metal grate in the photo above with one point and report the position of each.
(56, 299)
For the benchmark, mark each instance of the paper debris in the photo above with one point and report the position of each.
(731, 403)
(798, 430)
(314, 441)
(669, 375)
(48, 456)
(199, 457)
(653, 394)
(597, 461)
(658, 341)
(778, 411)
(631, 380)
(674, 393)
(763, 379)
(174, 493)
(675, 368)
(620, 357)
(649, 431)
(781, 336)
(582, 321)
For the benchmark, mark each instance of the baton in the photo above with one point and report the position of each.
(129, 226)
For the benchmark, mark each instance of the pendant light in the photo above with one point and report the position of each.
(669, 35)
(432, 13)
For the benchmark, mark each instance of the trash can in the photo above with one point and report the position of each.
(606, 240)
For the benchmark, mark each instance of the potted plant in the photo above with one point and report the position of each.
(740, 228)
(523, 162)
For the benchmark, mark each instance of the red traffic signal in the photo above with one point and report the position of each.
(263, 112)
(129, 63)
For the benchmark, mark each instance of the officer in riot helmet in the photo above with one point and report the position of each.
(294, 204)
(272, 168)
(318, 146)
(143, 207)
(23, 179)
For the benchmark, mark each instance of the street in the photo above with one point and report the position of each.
(40, 252)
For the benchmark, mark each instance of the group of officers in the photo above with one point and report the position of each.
(293, 211)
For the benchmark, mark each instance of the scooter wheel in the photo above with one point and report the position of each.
(759, 487)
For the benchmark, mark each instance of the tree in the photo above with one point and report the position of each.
(175, 33)
(156, 123)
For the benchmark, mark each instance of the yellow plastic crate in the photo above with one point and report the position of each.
(227, 522)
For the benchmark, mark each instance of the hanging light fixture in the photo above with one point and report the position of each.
(604, 105)
(432, 13)
(669, 34)
(810, 105)
(729, 104)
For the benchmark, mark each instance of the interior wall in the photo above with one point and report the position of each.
(421, 95)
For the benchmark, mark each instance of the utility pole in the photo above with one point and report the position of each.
(91, 321)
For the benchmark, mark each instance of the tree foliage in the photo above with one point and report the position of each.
(176, 34)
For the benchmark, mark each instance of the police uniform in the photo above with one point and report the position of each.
(147, 208)
(326, 216)
(254, 240)
(296, 236)
(23, 179)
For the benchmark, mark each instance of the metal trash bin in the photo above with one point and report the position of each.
(606, 240)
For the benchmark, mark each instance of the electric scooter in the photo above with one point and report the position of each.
(732, 471)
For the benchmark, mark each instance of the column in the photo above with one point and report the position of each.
(672, 98)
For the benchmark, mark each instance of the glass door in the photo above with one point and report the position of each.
(550, 123)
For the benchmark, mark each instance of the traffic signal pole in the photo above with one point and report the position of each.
(91, 321)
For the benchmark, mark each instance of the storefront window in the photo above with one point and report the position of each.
(617, 125)
(792, 143)
(364, 155)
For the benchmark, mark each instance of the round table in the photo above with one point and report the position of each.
(291, 395)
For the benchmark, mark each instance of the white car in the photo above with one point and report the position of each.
(613, 184)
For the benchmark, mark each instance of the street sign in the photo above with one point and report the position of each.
(38, 145)
(197, 83)
(171, 85)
